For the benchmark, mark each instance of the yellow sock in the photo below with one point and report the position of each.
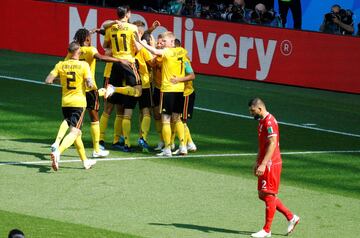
(158, 127)
(145, 126)
(80, 148)
(67, 141)
(172, 141)
(95, 135)
(127, 90)
(62, 131)
(103, 125)
(166, 134)
(188, 138)
(126, 124)
(179, 128)
(118, 131)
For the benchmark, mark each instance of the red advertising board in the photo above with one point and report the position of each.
(306, 59)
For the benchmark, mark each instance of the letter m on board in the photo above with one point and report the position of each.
(87, 20)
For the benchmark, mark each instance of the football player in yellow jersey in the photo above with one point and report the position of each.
(189, 100)
(173, 65)
(74, 76)
(121, 39)
(156, 84)
(88, 54)
(145, 60)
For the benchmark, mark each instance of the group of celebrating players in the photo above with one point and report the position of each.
(157, 75)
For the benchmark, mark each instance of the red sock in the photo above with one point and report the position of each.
(270, 211)
(284, 210)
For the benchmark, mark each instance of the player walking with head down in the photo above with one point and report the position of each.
(75, 77)
(268, 168)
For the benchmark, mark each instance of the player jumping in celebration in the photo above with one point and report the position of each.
(121, 38)
(268, 168)
(75, 77)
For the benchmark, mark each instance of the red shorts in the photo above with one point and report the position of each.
(269, 182)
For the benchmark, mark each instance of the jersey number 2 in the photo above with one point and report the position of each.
(70, 78)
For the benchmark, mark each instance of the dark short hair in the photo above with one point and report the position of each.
(177, 43)
(146, 36)
(256, 101)
(80, 35)
(122, 10)
(335, 5)
(16, 233)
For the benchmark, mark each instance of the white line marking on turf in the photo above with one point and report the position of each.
(214, 111)
(186, 156)
(280, 122)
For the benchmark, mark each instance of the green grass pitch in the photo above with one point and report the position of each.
(210, 194)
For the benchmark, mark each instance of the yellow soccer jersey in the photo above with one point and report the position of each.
(142, 57)
(87, 54)
(72, 74)
(173, 64)
(157, 75)
(107, 70)
(122, 41)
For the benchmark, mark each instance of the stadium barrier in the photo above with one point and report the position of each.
(299, 58)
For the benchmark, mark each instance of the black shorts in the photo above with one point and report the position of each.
(74, 116)
(146, 99)
(156, 97)
(188, 108)
(92, 100)
(129, 102)
(121, 72)
(116, 98)
(172, 102)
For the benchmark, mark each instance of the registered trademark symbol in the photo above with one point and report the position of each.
(286, 47)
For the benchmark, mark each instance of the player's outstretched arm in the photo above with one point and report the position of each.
(107, 58)
(152, 49)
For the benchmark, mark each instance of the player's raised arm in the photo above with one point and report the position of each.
(152, 49)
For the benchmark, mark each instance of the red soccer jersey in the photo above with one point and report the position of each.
(267, 128)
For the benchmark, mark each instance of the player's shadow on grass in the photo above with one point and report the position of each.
(206, 229)
(41, 156)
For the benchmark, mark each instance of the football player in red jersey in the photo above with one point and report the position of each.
(268, 168)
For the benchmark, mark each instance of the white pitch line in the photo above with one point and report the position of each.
(216, 111)
(186, 156)
(280, 122)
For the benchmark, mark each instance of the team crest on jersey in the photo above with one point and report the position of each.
(270, 130)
